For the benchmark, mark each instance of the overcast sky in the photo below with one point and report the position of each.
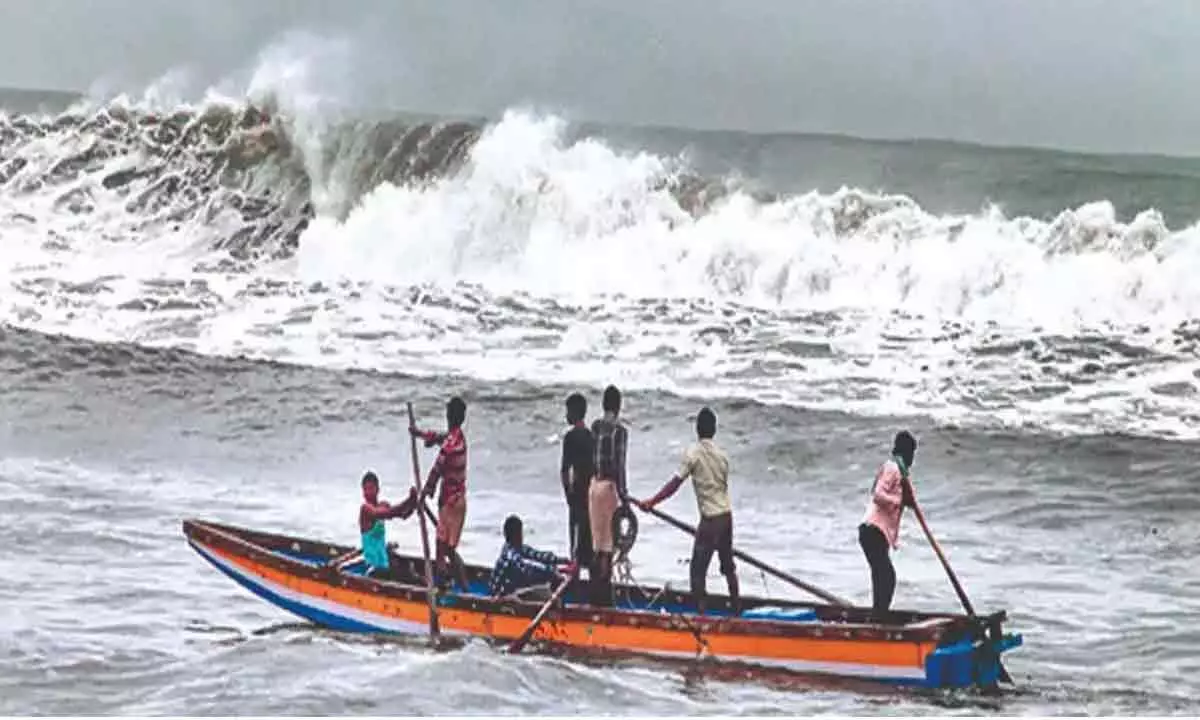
(1111, 75)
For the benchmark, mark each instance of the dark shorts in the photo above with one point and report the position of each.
(714, 535)
(581, 524)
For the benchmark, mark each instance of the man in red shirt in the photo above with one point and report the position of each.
(451, 468)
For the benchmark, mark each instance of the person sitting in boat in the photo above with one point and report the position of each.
(371, 515)
(451, 468)
(708, 467)
(880, 528)
(519, 566)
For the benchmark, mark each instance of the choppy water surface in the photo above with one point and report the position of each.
(1088, 542)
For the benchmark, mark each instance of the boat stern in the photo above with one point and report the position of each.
(973, 660)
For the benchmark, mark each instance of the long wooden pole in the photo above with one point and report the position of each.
(755, 562)
(521, 641)
(430, 593)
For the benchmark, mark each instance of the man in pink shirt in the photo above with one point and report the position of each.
(880, 528)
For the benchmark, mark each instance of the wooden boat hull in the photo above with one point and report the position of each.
(923, 649)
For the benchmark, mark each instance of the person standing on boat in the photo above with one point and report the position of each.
(371, 515)
(451, 468)
(578, 466)
(607, 492)
(708, 467)
(879, 531)
(520, 566)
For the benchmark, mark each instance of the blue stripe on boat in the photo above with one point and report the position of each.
(329, 620)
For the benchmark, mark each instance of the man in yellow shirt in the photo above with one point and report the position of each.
(708, 467)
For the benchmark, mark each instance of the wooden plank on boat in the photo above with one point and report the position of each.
(929, 623)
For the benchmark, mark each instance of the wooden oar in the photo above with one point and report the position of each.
(520, 642)
(958, 588)
(429, 514)
(755, 562)
(430, 593)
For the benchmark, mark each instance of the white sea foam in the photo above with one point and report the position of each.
(566, 261)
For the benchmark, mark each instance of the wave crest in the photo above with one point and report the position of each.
(518, 249)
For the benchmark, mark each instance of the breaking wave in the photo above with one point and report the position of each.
(520, 248)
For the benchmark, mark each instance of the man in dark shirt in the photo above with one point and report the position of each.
(607, 492)
(576, 474)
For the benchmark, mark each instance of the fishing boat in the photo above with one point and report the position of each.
(908, 648)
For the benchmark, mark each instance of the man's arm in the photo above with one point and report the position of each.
(435, 473)
(378, 511)
(676, 481)
(888, 493)
(908, 498)
(430, 437)
(665, 493)
(406, 508)
(565, 471)
(542, 556)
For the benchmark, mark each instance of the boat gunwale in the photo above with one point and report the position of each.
(833, 622)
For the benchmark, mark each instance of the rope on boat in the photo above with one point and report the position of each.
(623, 569)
